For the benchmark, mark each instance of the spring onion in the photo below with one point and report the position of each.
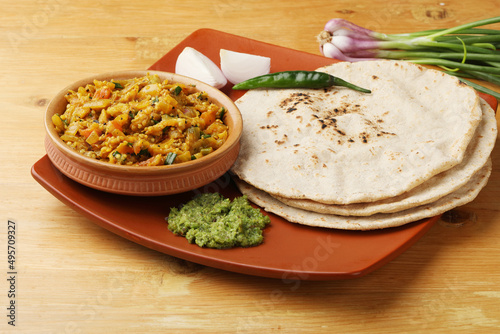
(117, 85)
(169, 160)
(466, 51)
(177, 90)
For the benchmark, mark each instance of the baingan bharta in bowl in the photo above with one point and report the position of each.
(142, 133)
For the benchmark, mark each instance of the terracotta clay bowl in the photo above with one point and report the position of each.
(137, 180)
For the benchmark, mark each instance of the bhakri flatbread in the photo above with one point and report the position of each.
(339, 146)
(462, 196)
(476, 155)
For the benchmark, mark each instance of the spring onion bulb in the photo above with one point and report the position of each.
(470, 52)
(196, 65)
(238, 67)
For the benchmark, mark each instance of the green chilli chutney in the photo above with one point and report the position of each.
(213, 221)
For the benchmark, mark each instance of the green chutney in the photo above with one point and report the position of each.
(213, 221)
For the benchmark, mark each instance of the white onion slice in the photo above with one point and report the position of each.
(238, 67)
(196, 65)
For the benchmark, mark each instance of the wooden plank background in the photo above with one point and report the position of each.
(75, 277)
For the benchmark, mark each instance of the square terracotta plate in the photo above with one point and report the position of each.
(290, 251)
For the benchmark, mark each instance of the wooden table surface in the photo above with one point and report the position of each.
(73, 276)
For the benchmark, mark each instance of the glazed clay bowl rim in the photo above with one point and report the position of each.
(232, 116)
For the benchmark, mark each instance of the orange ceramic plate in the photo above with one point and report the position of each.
(289, 252)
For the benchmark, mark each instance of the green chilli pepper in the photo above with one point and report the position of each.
(297, 79)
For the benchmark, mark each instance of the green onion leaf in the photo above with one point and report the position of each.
(65, 121)
(117, 85)
(117, 155)
(464, 50)
(144, 152)
(170, 158)
(222, 112)
(177, 90)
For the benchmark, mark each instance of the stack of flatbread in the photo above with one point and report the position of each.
(417, 146)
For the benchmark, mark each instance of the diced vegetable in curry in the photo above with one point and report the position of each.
(141, 121)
